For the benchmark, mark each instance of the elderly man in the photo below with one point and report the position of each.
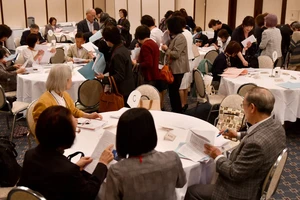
(241, 176)
(88, 26)
(33, 29)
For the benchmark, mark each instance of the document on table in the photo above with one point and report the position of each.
(89, 46)
(90, 124)
(96, 36)
(78, 60)
(107, 139)
(233, 72)
(47, 54)
(193, 149)
(290, 85)
(251, 39)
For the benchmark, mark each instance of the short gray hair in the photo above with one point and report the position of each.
(58, 78)
(89, 10)
(262, 98)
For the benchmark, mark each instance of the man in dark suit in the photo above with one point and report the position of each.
(33, 29)
(241, 176)
(88, 26)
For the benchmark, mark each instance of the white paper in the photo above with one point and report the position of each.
(47, 54)
(117, 114)
(134, 99)
(78, 60)
(96, 36)
(135, 53)
(89, 46)
(248, 39)
(90, 124)
(10, 57)
(107, 139)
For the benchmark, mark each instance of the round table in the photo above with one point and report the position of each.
(31, 86)
(202, 52)
(65, 46)
(87, 140)
(287, 101)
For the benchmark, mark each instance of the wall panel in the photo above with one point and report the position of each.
(274, 7)
(164, 6)
(134, 16)
(110, 7)
(37, 9)
(150, 7)
(10, 9)
(87, 4)
(200, 13)
(99, 4)
(216, 9)
(292, 11)
(57, 9)
(75, 10)
(118, 5)
(244, 8)
(188, 5)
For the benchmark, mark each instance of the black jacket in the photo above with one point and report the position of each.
(25, 35)
(83, 27)
(56, 178)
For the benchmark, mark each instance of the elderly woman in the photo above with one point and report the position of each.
(59, 80)
(120, 66)
(51, 26)
(271, 38)
(124, 26)
(177, 54)
(48, 171)
(143, 173)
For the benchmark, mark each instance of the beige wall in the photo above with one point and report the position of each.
(274, 7)
(87, 4)
(57, 9)
(134, 14)
(120, 4)
(200, 13)
(188, 5)
(216, 9)
(164, 6)
(100, 4)
(75, 10)
(11, 9)
(244, 8)
(292, 11)
(37, 9)
(150, 7)
(110, 7)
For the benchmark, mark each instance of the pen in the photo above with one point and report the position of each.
(223, 132)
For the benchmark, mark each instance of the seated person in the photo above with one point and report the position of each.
(48, 171)
(77, 51)
(30, 53)
(242, 174)
(143, 173)
(223, 60)
(51, 26)
(59, 80)
(223, 40)
(35, 30)
(199, 38)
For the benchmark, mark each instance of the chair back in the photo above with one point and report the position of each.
(22, 192)
(29, 117)
(59, 56)
(199, 83)
(272, 179)
(211, 56)
(4, 192)
(89, 93)
(149, 93)
(17, 42)
(50, 38)
(243, 89)
(265, 62)
(3, 100)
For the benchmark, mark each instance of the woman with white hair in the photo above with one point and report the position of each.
(59, 80)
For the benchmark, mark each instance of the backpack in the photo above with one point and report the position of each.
(205, 66)
(10, 170)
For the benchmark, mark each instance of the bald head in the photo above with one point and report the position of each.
(90, 14)
(262, 98)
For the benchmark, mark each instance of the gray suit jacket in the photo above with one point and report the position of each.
(241, 176)
(270, 42)
(8, 78)
(155, 178)
(177, 52)
(72, 52)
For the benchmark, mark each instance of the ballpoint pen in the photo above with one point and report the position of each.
(223, 132)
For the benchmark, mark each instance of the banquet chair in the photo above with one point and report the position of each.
(211, 56)
(89, 95)
(149, 93)
(50, 38)
(30, 122)
(231, 115)
(22, 192)
(243, 89)
(265, 62)
(59, 56)
(214, 99)
(273, 177)
(8, 110)
(17, 42)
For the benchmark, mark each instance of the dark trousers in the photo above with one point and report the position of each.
(199, 192)
(174, 93)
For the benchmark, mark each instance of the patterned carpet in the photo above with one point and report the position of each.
(289, 186)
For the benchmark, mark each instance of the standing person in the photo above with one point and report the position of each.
(99, 11)
(259, 28)
(156, 33)
(189, 20)
(177, 54)
(163, 21)
(294, 61)
(143, 173)
(217, 25)
(242, 174)
(48, 171)
(124, 26)
(271, 38)
(88, 26)
(120, 64)
(51, 26)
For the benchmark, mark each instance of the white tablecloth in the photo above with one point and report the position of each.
(287, 101)
(32, 86)
(202, 52)
(70, 36)
(65, 46)
(87, 140)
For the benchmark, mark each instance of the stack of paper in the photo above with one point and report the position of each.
(90, 124)
(251, 39)
(233, 72)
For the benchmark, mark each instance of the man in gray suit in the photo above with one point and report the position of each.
(241, 176)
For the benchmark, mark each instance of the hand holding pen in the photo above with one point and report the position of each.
(228, 134)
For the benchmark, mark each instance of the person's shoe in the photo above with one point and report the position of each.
(185, 107)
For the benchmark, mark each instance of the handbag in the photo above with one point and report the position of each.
(166, 74)
(149, 104)
(110, 101)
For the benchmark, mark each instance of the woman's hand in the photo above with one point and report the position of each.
(53, 50)
(17, 66)
(119, 26)
(21, 70)
(245, 63)
(83, 162)
(100, 76)
(40, 53)
(134, 62)
(107, 155)
(93, 115)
